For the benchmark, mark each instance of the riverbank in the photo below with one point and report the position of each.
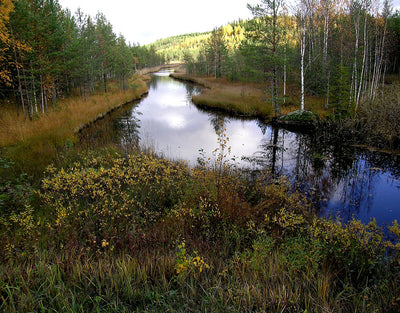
(233, 98)
(33, 144)
(154, 69)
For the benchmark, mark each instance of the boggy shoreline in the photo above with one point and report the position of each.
(154, 69)
(141, 78)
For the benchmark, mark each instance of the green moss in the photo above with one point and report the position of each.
(299, 115)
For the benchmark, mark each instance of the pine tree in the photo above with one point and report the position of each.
(216, 52)
(268, 31)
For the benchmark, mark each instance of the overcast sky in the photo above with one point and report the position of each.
(145, 21)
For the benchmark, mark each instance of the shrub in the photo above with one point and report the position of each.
(188, 265)
(111, 199)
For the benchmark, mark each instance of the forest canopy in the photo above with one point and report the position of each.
(47, 52)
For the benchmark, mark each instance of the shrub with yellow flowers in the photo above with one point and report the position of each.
(102, 197)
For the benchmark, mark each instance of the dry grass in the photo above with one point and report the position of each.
(380, 118)
(147, 283)
(249, 99)
(237, 98)
(149, 70)
(65, 119)
(32, 145)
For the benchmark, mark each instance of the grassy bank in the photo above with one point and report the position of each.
(33, 144)
(149, 70)
(235, 98)
(142, 234)
(247, 99)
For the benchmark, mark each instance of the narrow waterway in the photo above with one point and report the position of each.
(343, 181)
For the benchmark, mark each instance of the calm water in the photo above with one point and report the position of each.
(343, 181)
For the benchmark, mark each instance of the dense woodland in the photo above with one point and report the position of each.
(47, 52)
(342, 51)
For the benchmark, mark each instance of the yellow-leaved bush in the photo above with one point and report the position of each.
(101, 198)
(188, 265)
(310, 243)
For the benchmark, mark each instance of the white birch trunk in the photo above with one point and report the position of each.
(354, 84)
(360, 87)
(284, 76)
(302, 53)
(325, 53)
(42, 93)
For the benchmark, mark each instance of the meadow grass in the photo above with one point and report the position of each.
(249, 99)
(34, 144)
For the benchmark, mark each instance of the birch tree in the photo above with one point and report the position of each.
(302, 13)
(380, 43)
(327, 7)
(361, 84)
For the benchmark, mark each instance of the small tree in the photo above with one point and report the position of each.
(340, 93)
(268, 30)
(217, 52)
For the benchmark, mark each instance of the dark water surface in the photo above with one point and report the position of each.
(343, 181)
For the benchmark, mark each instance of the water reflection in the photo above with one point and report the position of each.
(341, 180)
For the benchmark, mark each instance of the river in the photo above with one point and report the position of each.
(343, 181)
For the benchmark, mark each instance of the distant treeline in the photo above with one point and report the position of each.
(176, 47)
(179, 48)
(47, 52)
